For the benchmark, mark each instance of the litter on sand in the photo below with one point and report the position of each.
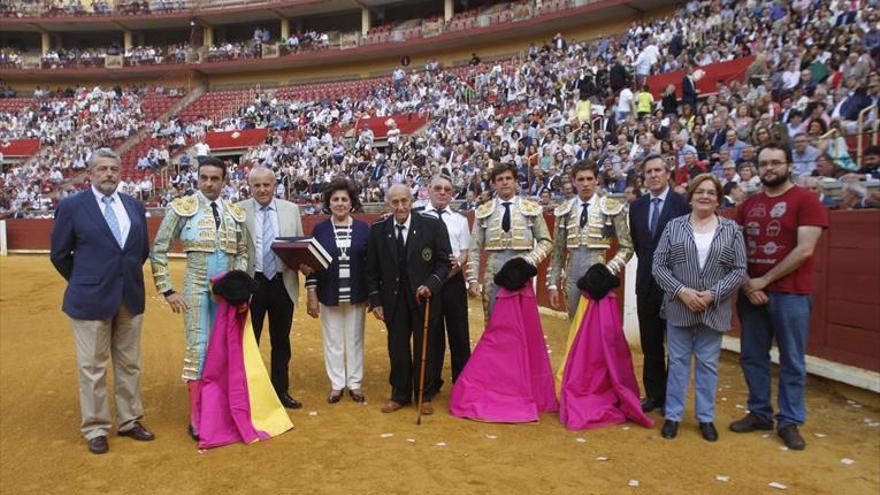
(847, 461)
(602, 458)
(387, 435)
(633, 482)
(580, 440)
(820, 435)
(777, 485)
(313, 413)
(722, 478)
(440, 444)
(492, 437)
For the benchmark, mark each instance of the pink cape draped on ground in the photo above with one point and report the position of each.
(225, 415)
(508, 378)
(599, 385)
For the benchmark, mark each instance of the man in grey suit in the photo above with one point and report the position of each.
(266, 218)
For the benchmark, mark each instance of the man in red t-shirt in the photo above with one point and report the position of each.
(781, 227)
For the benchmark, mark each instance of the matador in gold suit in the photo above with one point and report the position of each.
(526, 236)
(577, 247)
(214, 244)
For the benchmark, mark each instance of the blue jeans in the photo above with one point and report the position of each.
(787, 318)
(704, 344)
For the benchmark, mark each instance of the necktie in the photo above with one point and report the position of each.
(584, 213)
(401, 246)
(655, 216)
(216, 215)
(505, 220)
(269, 267)
(112, 221)
(440, 213)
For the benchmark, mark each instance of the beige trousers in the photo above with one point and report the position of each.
(97, 341)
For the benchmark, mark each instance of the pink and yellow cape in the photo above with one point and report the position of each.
(596, 383)
(508, 379)
(238, 403)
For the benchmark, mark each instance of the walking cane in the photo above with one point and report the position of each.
(424, 353)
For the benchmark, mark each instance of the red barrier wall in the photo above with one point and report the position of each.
(845, 325)
(722, 71)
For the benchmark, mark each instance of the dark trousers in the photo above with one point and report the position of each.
(652, 333)
(405, 328)
(455, 318)
(271, 297)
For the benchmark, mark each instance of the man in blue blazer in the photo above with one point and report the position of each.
(99, 245)
(648, 216)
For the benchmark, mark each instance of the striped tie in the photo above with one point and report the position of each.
(112, 221)
(269, 267)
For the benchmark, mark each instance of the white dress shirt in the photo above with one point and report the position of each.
(258, 231)
(580, 205)
(456, 225)
(662, 197)
(118, 208)
(405, 228)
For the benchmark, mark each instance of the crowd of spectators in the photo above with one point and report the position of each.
(568, 100)
(30, 8)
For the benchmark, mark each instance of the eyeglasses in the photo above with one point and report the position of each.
(771, 163)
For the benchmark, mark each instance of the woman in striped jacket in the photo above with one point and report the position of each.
(700, 262)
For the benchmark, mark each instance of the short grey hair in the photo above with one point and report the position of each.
(443, 177)
(103, 153)
(655, 156)
(261, 169)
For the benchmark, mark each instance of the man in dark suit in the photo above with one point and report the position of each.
(99, 245)
(689, 89)
(647, 218)
(407, 264)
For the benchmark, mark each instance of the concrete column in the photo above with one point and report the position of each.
(285, 28)
(365, 21)
(46, 42)
(448, 9)
(207, 35)
(127, 39)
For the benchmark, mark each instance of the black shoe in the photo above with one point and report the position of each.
(99, 445)
(709, 432)
(334, 396)
(751, 423)
(139, 433)
(670, 429)
(289, 402)
(192, 433)
(649, 404)
(792, 437)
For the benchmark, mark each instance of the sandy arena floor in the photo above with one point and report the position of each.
(341, 448)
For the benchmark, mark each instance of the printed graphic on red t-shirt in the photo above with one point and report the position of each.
(770, 231)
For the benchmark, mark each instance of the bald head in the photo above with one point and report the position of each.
(262, 184)
(399, 198)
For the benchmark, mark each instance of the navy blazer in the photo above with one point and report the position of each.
(328, 280)
(643, 243)
(100, 275)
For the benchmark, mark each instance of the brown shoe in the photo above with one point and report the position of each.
(751, 423)
(138, 432)
(98, 445)
(427, 408)
(391, 406)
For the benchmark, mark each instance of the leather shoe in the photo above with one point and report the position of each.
(427, 408)
(649, 404)
(334, 396)
(138, 432)
(751, 423)
(709, 432)
(357, 396)
(98, 445)
(670, 429)
(191, 431)
(288, 401)
(792, 437)
(391, 406)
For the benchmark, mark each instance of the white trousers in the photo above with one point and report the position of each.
(343, 329)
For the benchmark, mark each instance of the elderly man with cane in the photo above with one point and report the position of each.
(407, 263)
